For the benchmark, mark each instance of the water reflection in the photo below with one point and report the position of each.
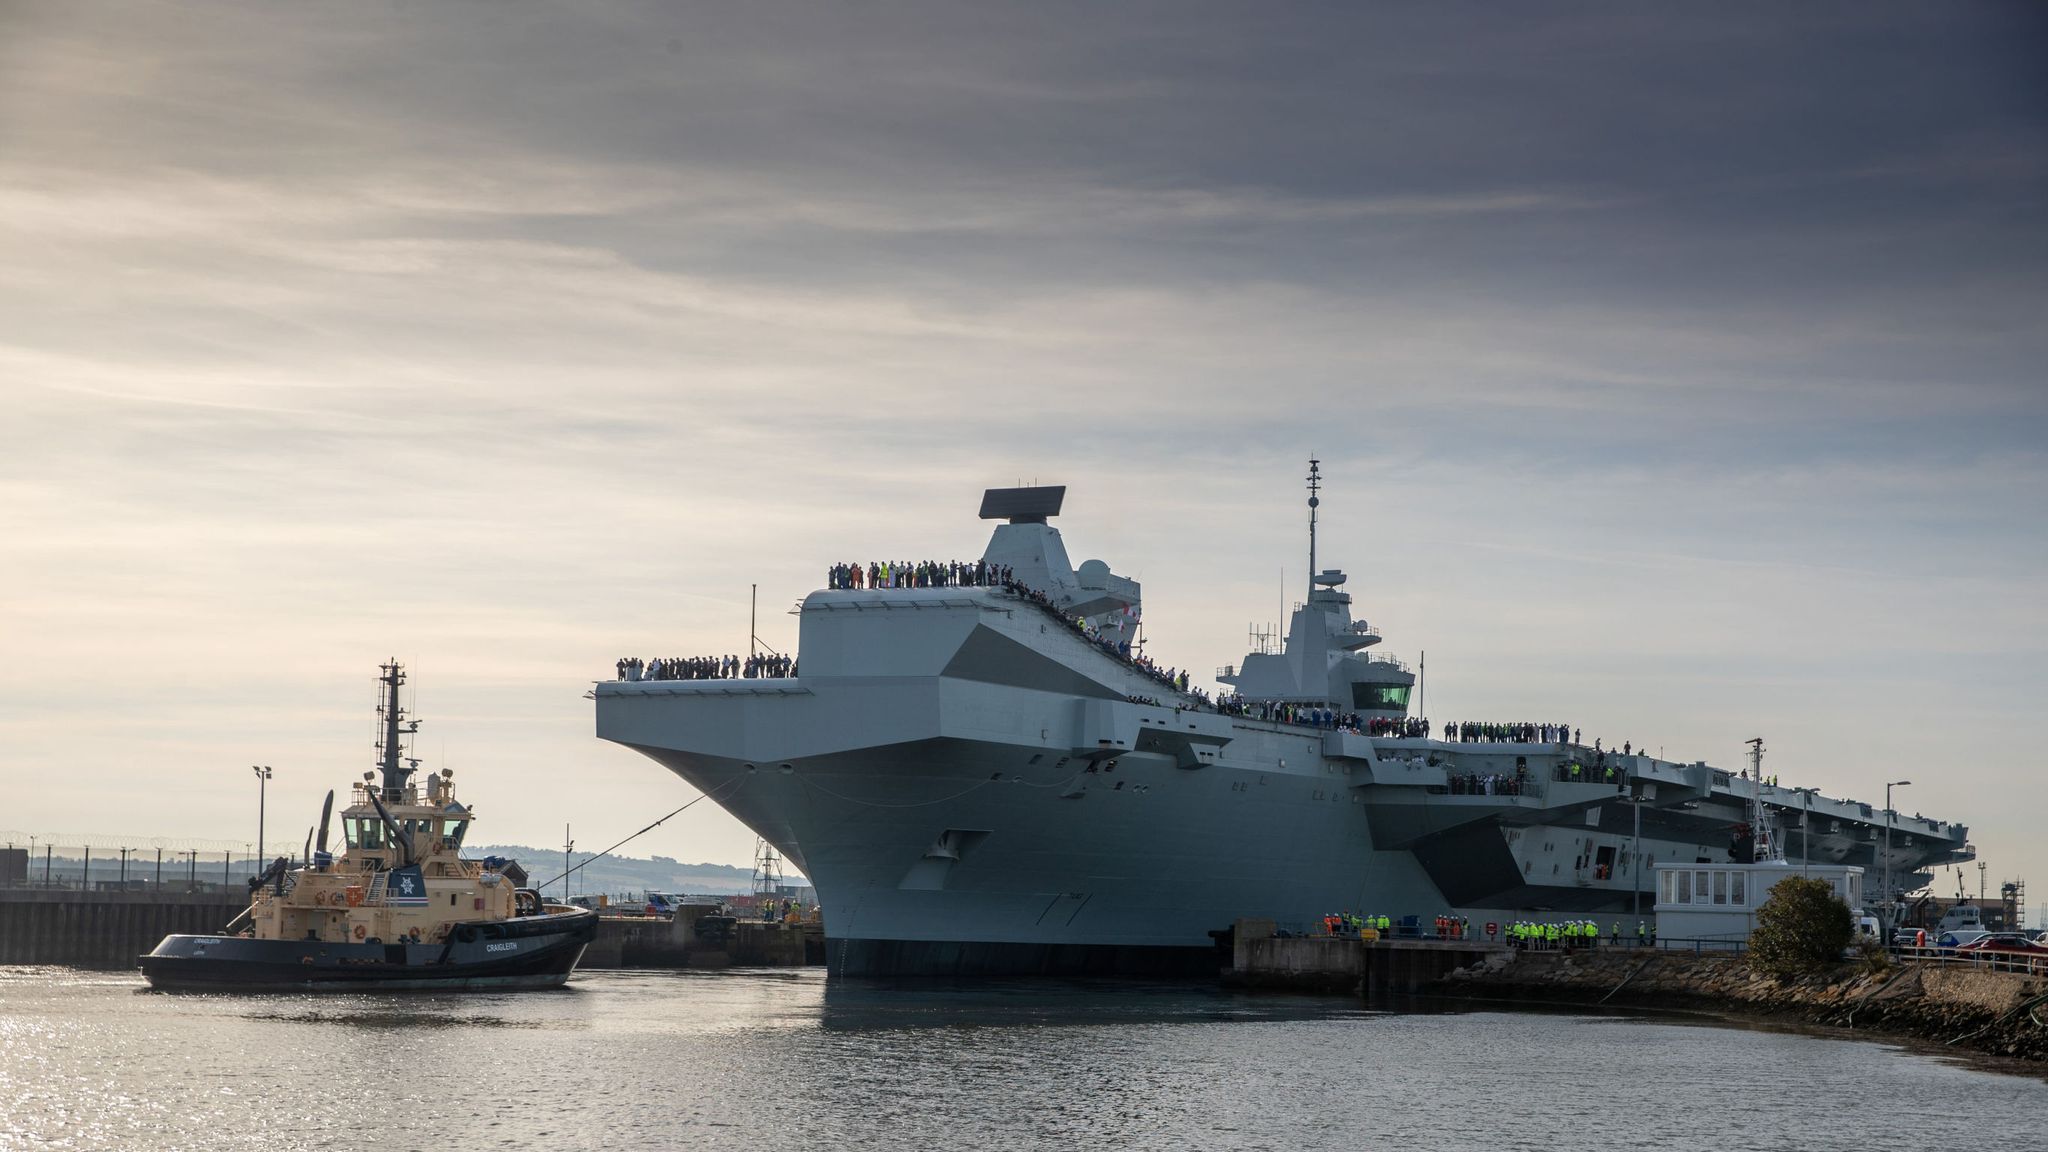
(659, 1060)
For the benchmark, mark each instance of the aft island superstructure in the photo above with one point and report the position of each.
(982, 774)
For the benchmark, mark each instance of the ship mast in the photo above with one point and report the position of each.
(1766, 842)
(767, 869)
(1315, 484)
(391, 758)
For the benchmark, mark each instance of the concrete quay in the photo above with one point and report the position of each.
(115, 929)
(653, 942)
(1336, 964)
(103, 929)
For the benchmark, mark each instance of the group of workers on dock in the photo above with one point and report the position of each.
(1529, 935)
(1354, 926)
(1556, 935)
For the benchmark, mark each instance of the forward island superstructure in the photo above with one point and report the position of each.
(981, 774)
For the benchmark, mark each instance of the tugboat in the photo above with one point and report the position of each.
(400, 909)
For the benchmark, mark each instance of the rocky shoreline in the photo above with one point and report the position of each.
(1995, 1013)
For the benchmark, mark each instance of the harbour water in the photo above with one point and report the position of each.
(779, 1059)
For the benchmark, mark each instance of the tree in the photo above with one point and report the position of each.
(1800, 930)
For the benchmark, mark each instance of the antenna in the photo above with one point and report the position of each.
(1315, 485)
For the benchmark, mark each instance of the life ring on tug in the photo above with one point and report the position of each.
(361, 932)
(354, 896)
(436, 848)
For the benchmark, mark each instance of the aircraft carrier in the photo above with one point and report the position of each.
(982, 775)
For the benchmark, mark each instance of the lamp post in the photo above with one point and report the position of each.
(262, 783)
(1806, 828)
(1635, 863)
(1886, 918)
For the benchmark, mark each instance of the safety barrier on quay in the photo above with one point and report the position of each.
(1985, 959)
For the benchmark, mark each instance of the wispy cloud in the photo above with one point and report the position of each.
(509, 340)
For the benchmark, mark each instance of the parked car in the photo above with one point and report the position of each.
(2004, 942)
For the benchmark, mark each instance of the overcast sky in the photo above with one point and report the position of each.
(1677, 371)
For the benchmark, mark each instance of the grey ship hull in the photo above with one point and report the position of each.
(971, 791)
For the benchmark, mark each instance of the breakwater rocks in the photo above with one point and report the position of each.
(2003, 1013)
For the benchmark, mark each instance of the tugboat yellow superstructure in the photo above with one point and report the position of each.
(400, 908)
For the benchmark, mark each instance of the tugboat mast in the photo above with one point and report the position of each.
(391, 758)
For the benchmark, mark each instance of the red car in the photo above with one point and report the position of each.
(2004, 942)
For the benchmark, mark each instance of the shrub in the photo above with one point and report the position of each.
(1800, 930)
(1871, 956)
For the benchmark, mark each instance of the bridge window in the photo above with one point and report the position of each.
(1380, 696)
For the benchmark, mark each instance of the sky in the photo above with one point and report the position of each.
(1677, 373)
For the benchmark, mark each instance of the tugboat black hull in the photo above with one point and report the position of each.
(525, 952)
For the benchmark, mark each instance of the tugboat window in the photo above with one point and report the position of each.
(369, 834)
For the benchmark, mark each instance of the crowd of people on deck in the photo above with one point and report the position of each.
(1476, 732)
(1598, 772)
(982, 574)
(918, 574)
(762, 666)
(1310, 715)
(1489, 783)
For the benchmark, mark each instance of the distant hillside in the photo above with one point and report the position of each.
(626, 875)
